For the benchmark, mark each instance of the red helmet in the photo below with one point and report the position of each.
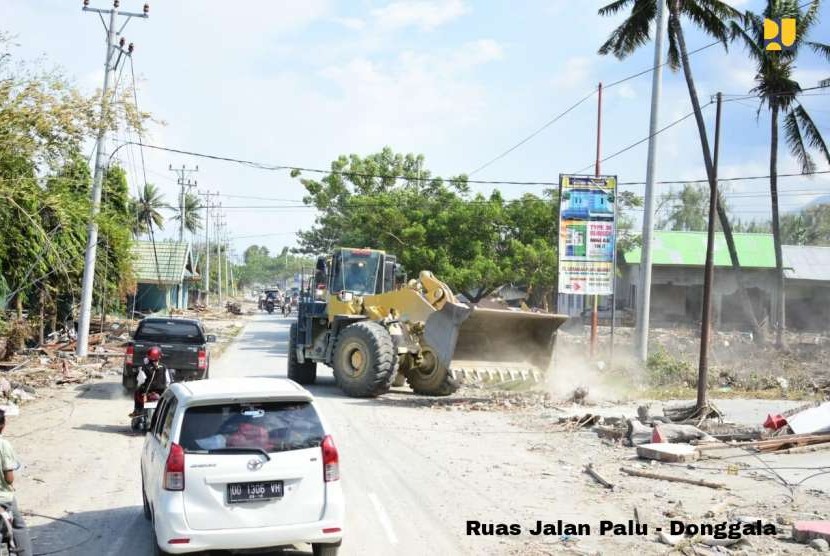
(154, 354)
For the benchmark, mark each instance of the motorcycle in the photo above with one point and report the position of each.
(7, 546)
(269, 306)
(141, 422)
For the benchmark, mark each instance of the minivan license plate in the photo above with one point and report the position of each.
(252, 492)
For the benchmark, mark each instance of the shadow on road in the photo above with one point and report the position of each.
(85, 533)
(102, 391)
(110, 429)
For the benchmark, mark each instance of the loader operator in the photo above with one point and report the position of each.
(356, 279)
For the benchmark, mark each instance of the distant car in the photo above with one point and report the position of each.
(183, 344)
(243, 463)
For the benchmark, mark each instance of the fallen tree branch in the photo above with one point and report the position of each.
(660, 476)
(589, 469)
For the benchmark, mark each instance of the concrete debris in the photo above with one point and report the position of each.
(820, 545)
(673, 453)
(813, 420)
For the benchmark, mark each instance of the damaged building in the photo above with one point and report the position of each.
(677, 278)
(677, 281)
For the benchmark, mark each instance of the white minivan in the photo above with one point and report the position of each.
(239, 464)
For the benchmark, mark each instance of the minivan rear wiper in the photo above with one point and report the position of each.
(240, 450)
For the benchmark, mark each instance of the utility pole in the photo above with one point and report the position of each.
(110, 62)
(219, 218)
(644, 297)
(709, 273)
(184, 182)
(594, 313)
(206, 278)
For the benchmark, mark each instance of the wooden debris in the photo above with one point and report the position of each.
(674, 479)
(589, 469)
(673, 453)
(771, 444)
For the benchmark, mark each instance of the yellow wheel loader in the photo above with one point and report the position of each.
(375, 332)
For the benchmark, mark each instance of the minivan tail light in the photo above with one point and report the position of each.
(202, 361)
(331, 460)
(174, 468)
(128, 355)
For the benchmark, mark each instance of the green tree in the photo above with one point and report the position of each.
(779, 92)
(430, 223)
(688, 209)
(713, 17)
(192, 213)
(147, 210)
(45, 182)
(811, 226)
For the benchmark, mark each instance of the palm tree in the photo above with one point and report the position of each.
(147, 210)
(717, 19)
(192, 216)
(779, 92)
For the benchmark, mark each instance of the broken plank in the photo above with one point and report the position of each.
(671, 478)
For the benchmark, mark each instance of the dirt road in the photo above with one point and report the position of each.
(412, 475)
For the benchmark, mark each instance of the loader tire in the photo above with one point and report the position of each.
(432, 378)
(364, 360)
(301, 373)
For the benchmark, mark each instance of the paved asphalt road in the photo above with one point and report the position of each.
(413, 469)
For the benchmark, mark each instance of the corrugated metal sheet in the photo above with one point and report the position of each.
(806, 262)
(174, 262)
(689, 249)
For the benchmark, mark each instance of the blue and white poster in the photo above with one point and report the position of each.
(587, 234)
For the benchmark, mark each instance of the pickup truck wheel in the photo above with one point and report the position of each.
(364, 360)
(320, 549)
(301, 373)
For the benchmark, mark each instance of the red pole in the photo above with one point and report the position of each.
(594, 314)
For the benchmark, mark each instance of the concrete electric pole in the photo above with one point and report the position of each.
(219, 218)
(206, 278)
(644, 293)
(115, 50)
(184, 182)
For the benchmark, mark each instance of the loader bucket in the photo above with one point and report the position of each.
(506, 342)
(441, 330)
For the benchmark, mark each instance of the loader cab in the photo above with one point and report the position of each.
(362, 271)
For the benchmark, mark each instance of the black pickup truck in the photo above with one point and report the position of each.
(183, 344)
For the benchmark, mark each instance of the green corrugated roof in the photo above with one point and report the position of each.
(174, 262)
(689, 249)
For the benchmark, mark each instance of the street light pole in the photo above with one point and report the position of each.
(644, 297)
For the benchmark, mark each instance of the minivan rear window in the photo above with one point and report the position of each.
(268, 426)
(169, 331)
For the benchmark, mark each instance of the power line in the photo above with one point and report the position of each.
(278, 167)
(534, 134)
(643, 140)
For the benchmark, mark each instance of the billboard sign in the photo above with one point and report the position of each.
(587, 234)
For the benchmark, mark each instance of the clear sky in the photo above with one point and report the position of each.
(299, 82)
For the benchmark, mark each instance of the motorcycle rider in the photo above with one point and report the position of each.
(153, 376)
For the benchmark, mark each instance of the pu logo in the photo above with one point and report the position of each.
(779, 34)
